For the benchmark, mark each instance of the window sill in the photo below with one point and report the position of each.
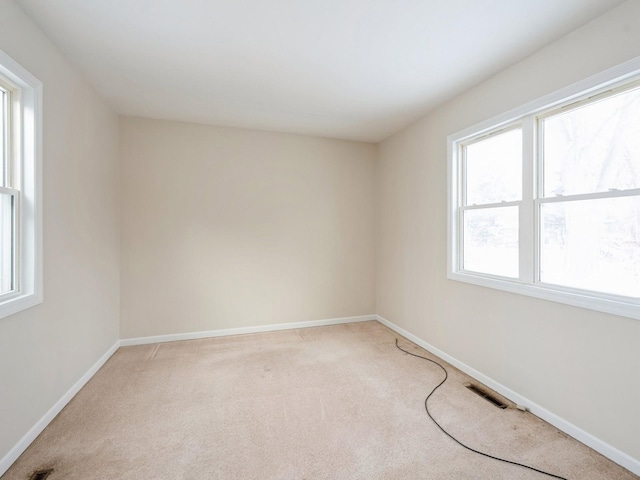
(19, 302)
(611, 304)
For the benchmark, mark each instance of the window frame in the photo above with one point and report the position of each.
(24, 184)
(529, 116)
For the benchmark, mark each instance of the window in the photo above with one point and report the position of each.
(545, 199)
(20, 223)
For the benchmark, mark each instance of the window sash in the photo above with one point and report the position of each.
(496, 207)
(567, 107)
(464, 165)
(597, 273)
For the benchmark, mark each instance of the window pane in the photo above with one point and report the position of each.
(493, 169)
(6, 243)
(592, 245)
(491, 241)
(593, 148)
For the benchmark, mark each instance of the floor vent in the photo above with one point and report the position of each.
(487, 396)
(41, 474)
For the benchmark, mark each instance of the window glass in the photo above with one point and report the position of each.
(593, 148)
(592, 245)
(6, 243)
(494, 168)
(491, 241)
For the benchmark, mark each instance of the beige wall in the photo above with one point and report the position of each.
(44, 350)
(226, 228)
(579, 364)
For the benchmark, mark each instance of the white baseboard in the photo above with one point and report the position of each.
(41, 424)
(242, 330)
(598, 445)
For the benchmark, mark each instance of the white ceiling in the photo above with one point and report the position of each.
(354, 69)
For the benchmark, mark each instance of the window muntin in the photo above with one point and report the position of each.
(558, 186)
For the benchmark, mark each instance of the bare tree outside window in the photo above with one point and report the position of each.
(586, 242)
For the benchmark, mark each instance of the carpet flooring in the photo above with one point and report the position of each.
(337, 402)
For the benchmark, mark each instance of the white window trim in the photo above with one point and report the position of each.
(613, 304)
(29, 291)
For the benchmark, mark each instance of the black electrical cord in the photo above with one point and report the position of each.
(426, 407)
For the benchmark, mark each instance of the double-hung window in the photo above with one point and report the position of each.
(20, 223)
(545, 200)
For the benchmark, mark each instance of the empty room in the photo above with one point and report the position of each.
(298, 239)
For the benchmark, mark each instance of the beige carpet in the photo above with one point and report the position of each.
(337, 402)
